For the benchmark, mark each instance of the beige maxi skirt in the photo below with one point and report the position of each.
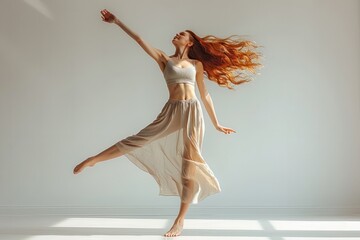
(169, 149)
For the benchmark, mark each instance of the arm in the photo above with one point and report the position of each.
(206, 98)
(156, 54)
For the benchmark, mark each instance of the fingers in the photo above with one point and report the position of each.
(104, 11)
(228, 130)
(103, 15)
(225, 130)
(232, 130)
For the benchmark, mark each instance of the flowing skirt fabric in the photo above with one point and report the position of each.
(169, 149)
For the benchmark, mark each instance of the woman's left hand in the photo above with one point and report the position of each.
(225, 129)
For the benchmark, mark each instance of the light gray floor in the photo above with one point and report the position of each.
(55, 227)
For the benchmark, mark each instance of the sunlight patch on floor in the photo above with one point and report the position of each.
(320, 238)
(86, 222)
(132, 237)
(227, 224)
(111, 228)
(223, 224)
(315, 225)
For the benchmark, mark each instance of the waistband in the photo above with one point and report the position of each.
(194, 99)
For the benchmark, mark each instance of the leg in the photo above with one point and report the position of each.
(188, 171)
(179, 221)
(161, 126)
(110, 153)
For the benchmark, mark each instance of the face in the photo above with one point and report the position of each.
(182, 39)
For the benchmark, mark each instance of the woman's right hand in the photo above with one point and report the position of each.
(107, 16)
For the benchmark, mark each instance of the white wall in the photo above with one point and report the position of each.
(72, 85)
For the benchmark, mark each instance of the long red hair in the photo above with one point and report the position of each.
(223, 57)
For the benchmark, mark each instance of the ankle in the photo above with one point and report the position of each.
(179, 220)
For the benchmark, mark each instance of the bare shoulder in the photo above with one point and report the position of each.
(199, 66)
(197, 62)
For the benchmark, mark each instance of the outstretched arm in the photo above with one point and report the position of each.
(206, 99)
(156, 54)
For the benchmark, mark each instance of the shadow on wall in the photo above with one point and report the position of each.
(40, 7)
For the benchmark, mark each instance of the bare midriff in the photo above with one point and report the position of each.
(181, 91)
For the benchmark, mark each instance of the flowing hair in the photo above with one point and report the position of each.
(222, 57)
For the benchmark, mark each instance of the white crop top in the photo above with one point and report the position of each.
(174, 74)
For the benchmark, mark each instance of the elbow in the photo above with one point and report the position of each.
(204, 96)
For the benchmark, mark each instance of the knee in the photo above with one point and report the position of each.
(187, 182)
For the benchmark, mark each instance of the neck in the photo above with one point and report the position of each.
(181, 52)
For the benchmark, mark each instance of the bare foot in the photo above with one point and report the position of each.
(175, 229)
(88, 162)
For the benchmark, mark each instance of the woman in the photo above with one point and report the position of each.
(170, 147)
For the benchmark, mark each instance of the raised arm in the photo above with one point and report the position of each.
(158, 55)
(206, 99)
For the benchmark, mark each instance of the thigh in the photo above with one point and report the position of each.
(193, 133)
(167, 122)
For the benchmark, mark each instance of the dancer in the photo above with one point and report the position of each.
(170, 147)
